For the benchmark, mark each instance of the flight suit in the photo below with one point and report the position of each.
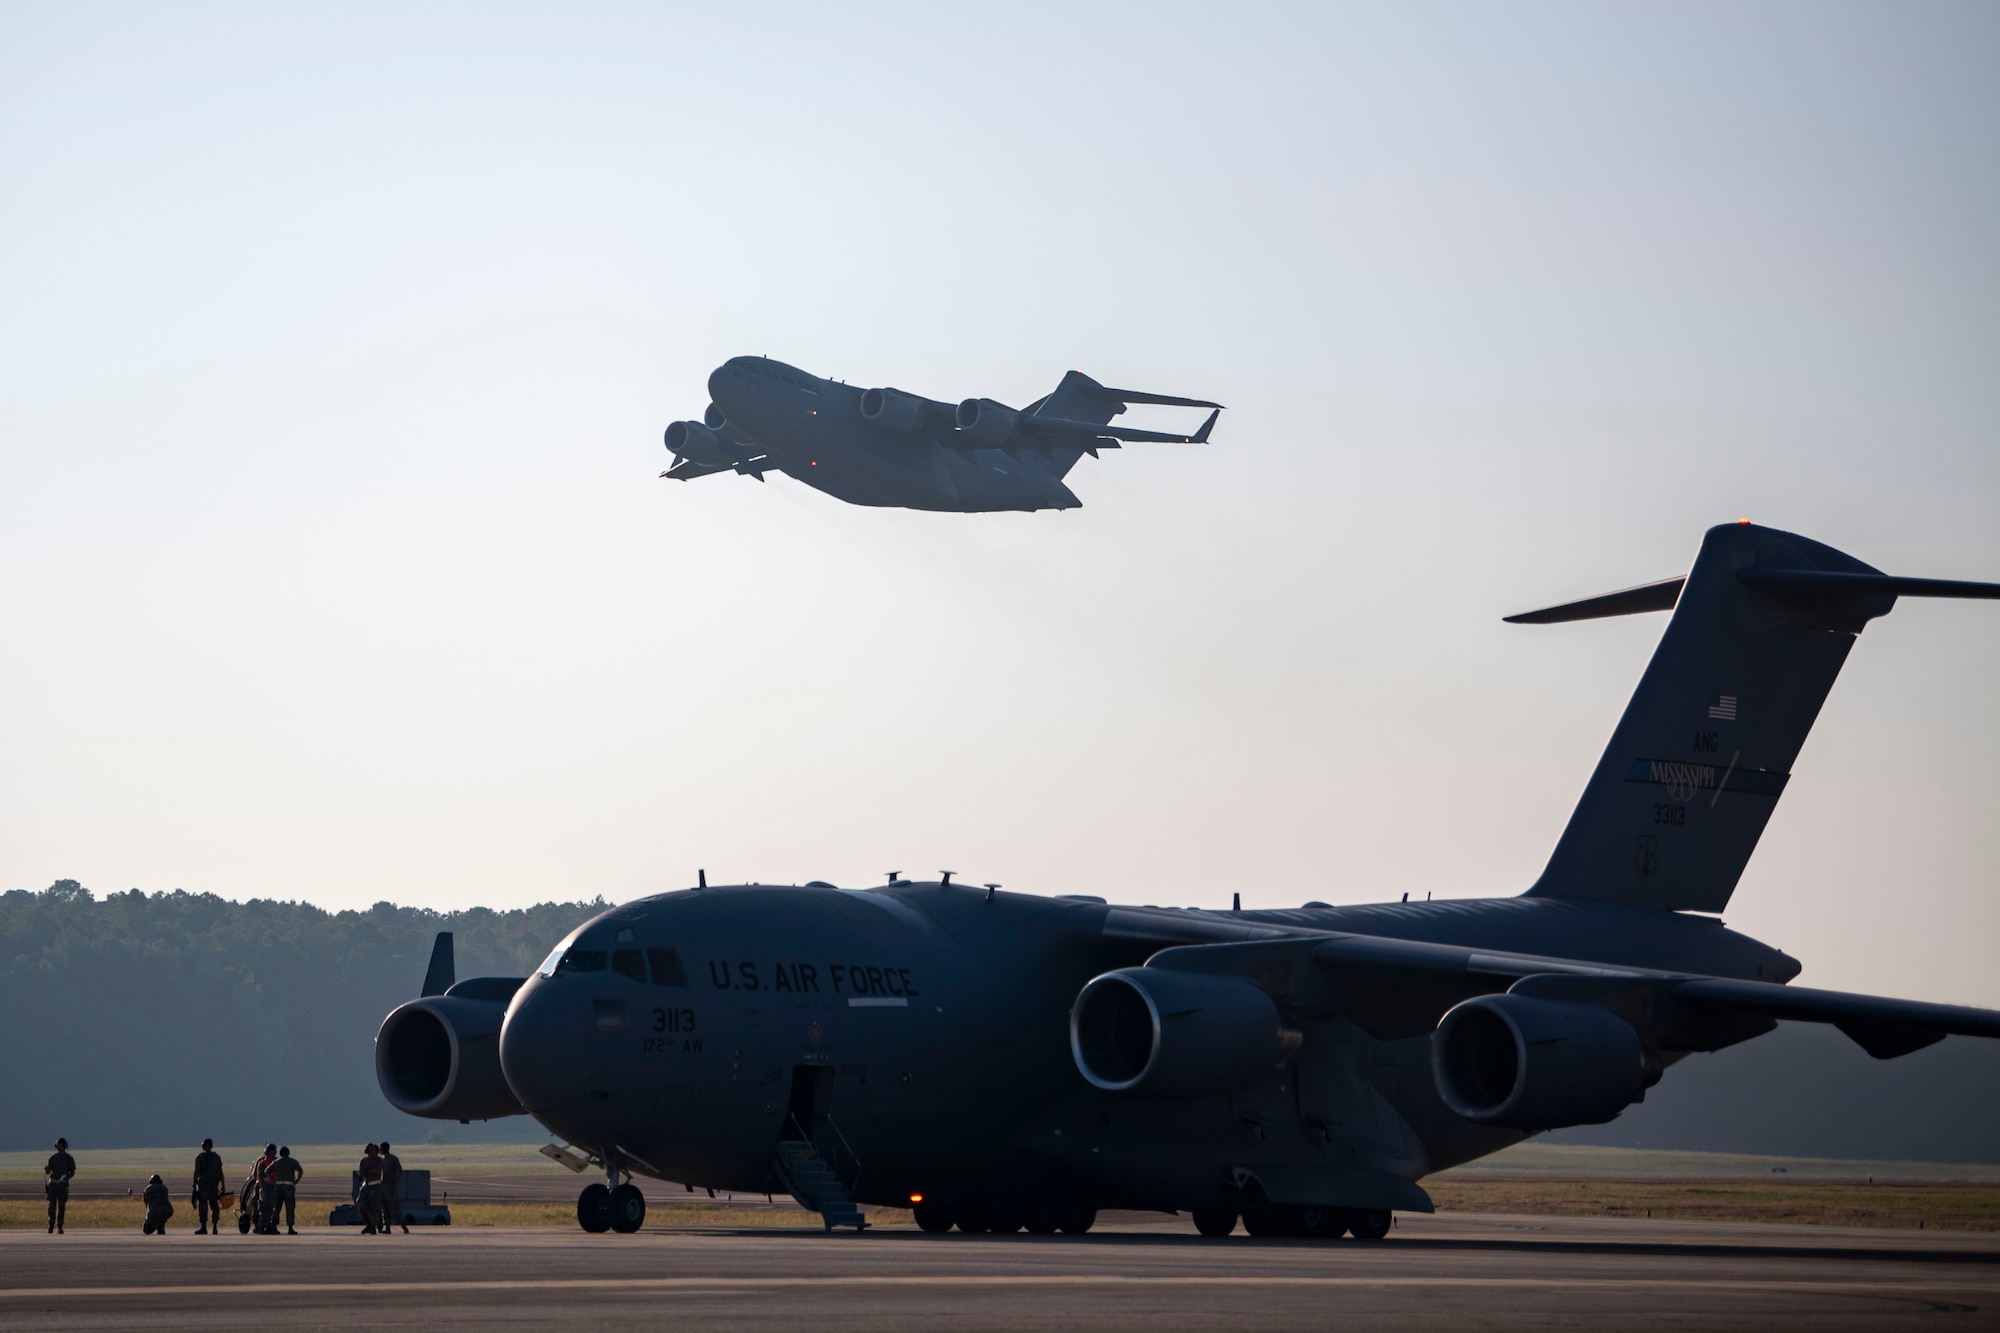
(60, 1168)
(266, 1214)
(392, 1192)
(158, 1209)
(208, 1181)
(285, 1173)
(373, 1218)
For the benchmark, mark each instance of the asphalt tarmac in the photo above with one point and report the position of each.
(1458, 1270)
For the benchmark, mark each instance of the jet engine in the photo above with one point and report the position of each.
(984, 419)
(1154, 1032)
(1538, 1064)
(892, 409)
(713, 418)
(696, 441)
(440, 1057)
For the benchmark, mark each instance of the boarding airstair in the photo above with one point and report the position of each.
(816, 1183)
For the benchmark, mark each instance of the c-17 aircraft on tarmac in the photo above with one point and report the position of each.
(1001, 1060)
(885, 447)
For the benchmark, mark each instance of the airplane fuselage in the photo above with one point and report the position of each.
(813, 431)
(931, 1022)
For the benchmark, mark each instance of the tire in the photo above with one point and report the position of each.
(1322, 1223)
(933, 1217)
(1043, 1222)
(1267, 1220)
(1216, 1220)
(243, 1224)
(628, 1209)
(441, 1220)
(1076, 1221)
(1370, 1223)
(593, 1208)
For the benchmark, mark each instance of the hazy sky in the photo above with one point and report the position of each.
(337, 345)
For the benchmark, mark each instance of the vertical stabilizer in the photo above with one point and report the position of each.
(438, 977)
(1696, 766)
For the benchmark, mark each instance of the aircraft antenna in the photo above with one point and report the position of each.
(701, 877)
(947, 877)
(895, 875)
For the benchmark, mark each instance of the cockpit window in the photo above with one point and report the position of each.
(629, 963)
(582, 960)
(548, 967)
(667, 970)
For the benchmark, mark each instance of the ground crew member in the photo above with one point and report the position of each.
(373, 1219)
(158, 1207)
(285, 1174)
(208, 1181)
(267, 1197)
(60, 1168)
(392, 1189)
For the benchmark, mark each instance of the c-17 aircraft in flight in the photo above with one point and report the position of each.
(888, 448)
(1001, 1060)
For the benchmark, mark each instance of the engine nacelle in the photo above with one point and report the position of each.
(892, 409)
(1155, 1032)
(1538, 1064)
(440, 1057)
(699, 443)
(983, 419)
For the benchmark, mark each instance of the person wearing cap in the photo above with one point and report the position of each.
(285, 1175)
(158, 1207)
(267, 1195)
(392, 1190)
(208, 1182)
(373, 1219)
(61, 1166)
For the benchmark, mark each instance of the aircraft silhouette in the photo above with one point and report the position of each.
(888, 448)
(1000, 1059)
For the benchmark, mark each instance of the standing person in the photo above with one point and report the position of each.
(285, 1175)
(370, 1199)
(208, 1182)
(60, 1168)
(392, 1189)
(267, 1191)
(158, 1207)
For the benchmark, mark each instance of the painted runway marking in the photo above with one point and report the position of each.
(376, 1286)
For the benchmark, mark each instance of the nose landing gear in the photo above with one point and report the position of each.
(615, 1205)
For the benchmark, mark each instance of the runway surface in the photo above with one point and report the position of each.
(1464, 1270)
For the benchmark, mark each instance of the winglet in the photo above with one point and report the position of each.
(438, 979)
(1201, 436)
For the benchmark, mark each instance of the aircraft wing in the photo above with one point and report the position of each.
(1400, 988)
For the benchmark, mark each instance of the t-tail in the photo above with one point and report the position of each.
(1761, 625)
(1081, 398)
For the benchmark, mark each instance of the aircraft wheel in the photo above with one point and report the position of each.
(933, 1216)
(1267, 1220)
(1322, 1223)
(1370, 1223)
(593, 1208)
(1044, 1222)
(1076, 1221)
(628, 1209)
(1215, 1220)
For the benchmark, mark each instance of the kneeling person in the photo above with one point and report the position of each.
(158, 1207)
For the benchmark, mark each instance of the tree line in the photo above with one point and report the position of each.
(140, 1019)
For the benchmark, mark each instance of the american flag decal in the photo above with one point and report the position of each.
(1724, 708)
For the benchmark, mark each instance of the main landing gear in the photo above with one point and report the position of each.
(1301, 1220)
(615, 1206)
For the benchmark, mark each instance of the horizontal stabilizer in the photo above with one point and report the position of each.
(1845, 582)
(1155, 399)
(1130, 434)
(1659, 596)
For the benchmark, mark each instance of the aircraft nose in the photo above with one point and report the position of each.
(538, 1049)
(724, 379)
